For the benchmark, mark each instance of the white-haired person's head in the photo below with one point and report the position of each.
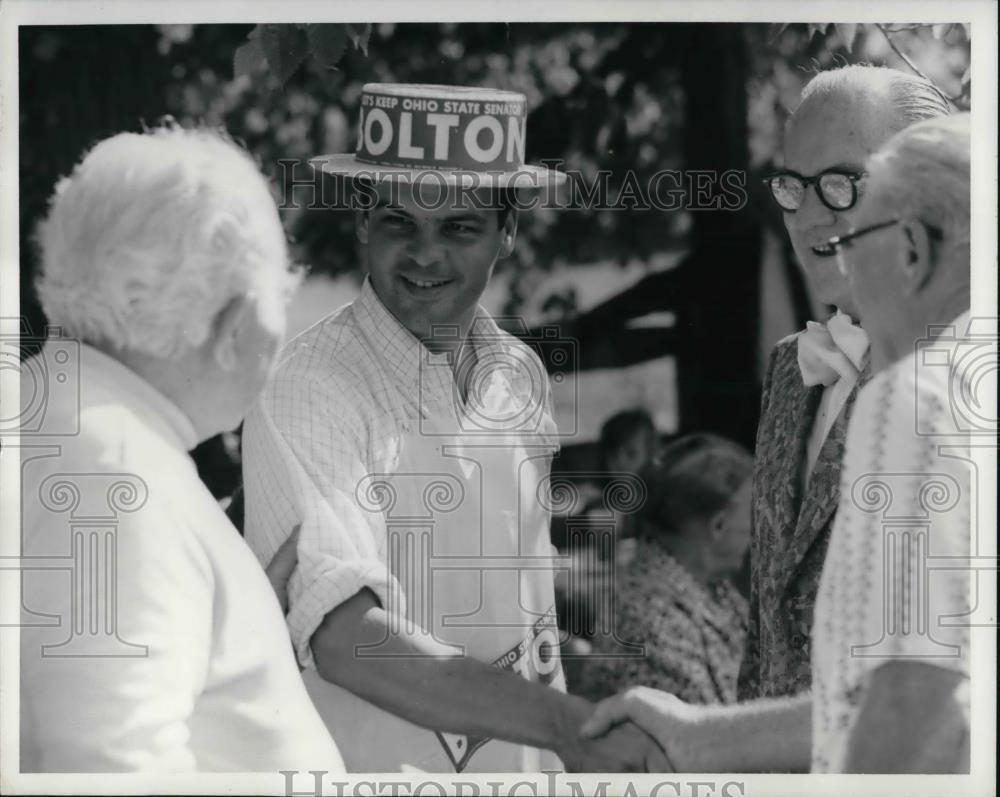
(908, 258)
(844, 116)
(164, 249)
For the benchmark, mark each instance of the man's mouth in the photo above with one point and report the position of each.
(825, 250)
(424, 284)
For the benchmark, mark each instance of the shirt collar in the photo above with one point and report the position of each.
(134, 391)
(402, 350)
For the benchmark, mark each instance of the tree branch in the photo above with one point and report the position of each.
(913, 66)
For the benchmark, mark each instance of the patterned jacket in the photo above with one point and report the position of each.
(791, 530)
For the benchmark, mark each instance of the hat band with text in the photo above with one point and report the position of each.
(481, 130)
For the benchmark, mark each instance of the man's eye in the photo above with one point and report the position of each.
(462, 228)
(397, 222)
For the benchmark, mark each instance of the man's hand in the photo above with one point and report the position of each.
(281, 567)
(767, 735)
(624, 748)
(661, 715)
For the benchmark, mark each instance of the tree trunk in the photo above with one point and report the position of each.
(718, 314)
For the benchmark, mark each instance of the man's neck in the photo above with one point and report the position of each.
(913, 324)
(174, 381)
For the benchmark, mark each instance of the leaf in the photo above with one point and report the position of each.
(327, 43)
(248, 58)
(940, 29)
(775, 29)
(848, 32)
(966, 83)
(285, 47)
(360, 33)
(813, 28)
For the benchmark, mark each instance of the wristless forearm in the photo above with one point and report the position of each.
(434, 687)
(770, 735)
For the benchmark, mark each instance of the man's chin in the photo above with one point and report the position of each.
(824, 279)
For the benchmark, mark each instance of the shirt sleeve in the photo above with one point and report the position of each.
(304, 457)
(120, 703)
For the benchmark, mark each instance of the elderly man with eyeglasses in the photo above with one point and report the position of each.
(891, 657)
(809, 392)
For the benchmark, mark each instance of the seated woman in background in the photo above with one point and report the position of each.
(674, 598)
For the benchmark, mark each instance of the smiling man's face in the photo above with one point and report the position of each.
(830, 132)
(429, 265)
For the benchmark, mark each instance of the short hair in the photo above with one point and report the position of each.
(912, 97)
(695, 476)
(924, 170)
(622, 427)
(152, 234)
(504, 200)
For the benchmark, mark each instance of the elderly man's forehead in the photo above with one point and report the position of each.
(838, 129)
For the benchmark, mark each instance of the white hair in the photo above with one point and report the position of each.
(924, 171)
(152, 234)
(910, 98)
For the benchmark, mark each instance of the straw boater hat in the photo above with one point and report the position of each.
(454, 135)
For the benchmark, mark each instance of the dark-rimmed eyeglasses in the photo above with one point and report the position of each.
(838, 243)
(836, 188)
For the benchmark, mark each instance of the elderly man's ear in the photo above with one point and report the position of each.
(917, 256)
(228, 329)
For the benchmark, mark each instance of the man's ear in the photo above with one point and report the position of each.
(361, 218)
(226, 327)
(917, 256)
(508, 234)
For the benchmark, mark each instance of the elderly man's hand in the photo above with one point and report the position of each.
(279, 571)
(624, 748)
(661, 715)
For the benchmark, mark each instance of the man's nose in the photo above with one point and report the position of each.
(812, 212)
(426, 248)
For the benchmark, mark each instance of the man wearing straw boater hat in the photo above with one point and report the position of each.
(411, 440)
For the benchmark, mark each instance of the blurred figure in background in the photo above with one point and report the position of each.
(675, 597)
(628, 443)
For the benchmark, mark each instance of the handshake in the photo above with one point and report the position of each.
(639, 730)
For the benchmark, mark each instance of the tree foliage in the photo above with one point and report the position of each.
(602, 97)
